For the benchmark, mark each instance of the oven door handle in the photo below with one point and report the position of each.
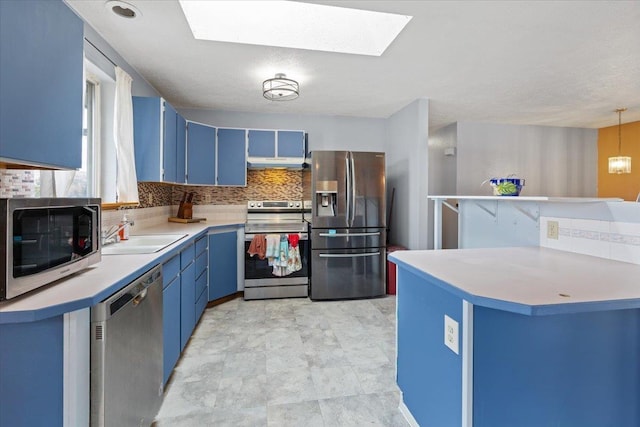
(348, 255)
(377, 233)
(249, 237)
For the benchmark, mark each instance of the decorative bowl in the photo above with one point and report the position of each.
(506, 186)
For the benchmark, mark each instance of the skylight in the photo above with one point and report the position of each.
(293, 24)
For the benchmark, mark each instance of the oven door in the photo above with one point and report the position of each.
(258, 272)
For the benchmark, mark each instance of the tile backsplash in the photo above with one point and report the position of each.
(265, 184)
(619, 241)
(17, 183)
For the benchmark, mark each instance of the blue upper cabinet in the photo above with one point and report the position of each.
(232, 157)
(156, 126)
(201, 154)
(41, 50)
(147, 134)
(181, 149)
(291, 143)
(169, 144)
(262, 143)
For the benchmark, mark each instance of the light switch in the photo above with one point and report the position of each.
(451, 334)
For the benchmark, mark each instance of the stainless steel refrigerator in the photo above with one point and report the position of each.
(348, 225)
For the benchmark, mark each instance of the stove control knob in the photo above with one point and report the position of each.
(297, 204)
(259, 204)
(251, 204)
(290, 204)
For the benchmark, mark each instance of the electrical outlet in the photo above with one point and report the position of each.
(552, 230)
(451, 334)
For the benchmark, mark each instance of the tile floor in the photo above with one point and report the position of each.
(289, 362)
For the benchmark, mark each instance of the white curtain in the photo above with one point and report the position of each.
(127, 183)
(55, 183)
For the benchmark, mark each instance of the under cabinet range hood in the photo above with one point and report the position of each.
(276, 162)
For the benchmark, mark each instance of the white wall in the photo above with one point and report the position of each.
(442, 181)
(407, 171)
(325, 132)
(139, 86)
(554, 161)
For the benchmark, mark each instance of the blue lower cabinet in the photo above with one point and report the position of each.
(171, 326)
(187, 303)
(31, 373)
(223, 264)
(201, 303)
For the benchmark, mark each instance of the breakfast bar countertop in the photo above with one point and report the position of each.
(528, 280)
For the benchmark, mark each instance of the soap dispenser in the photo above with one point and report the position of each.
(124, 227)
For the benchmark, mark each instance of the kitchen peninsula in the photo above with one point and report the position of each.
(524, 336)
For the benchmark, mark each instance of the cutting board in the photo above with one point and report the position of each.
(185, 220)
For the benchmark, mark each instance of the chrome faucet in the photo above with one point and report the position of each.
(109, 236)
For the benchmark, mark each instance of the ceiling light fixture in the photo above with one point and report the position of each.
(123, 9)
(280, 88)
(620, 164)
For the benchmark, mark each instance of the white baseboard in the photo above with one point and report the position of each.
(407, 414)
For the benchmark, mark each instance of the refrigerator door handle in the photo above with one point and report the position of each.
(348, 255)
(377, 233)
(352, 169)
(347, 174)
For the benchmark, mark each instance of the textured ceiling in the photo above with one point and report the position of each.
(560, 63)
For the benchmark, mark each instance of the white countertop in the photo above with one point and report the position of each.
(100, 280)
(529, 280)
(531, 199)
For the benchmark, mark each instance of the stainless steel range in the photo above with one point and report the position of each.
(276, 250)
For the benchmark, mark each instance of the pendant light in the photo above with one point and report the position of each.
(280, 88)
(620, 164)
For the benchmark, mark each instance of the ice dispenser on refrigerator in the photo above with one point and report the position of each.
(326, 195)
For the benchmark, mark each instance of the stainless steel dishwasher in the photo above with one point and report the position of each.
(126, 354)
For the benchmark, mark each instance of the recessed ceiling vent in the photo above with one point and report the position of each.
(123, 9)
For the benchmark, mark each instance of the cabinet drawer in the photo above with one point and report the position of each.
(201, 282)
(170, 270)
(201, 304)
(201, 263)
(186, 256)
(201, 245)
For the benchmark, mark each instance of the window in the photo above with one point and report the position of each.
(85, 179)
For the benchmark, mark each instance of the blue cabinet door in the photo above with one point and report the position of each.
(171, 326)
(223, 264)
(232, 157)
(262, 143)
(181, 149)
(187, 303)
(201, 154)
(169, 143)
(41, 54)
(147, 122)
(290, 143)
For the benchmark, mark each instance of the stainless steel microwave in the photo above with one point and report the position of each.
(45, 239)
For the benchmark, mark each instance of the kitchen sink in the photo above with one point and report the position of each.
(142, 244)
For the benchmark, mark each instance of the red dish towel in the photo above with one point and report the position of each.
(293, 240)
(258, 246)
